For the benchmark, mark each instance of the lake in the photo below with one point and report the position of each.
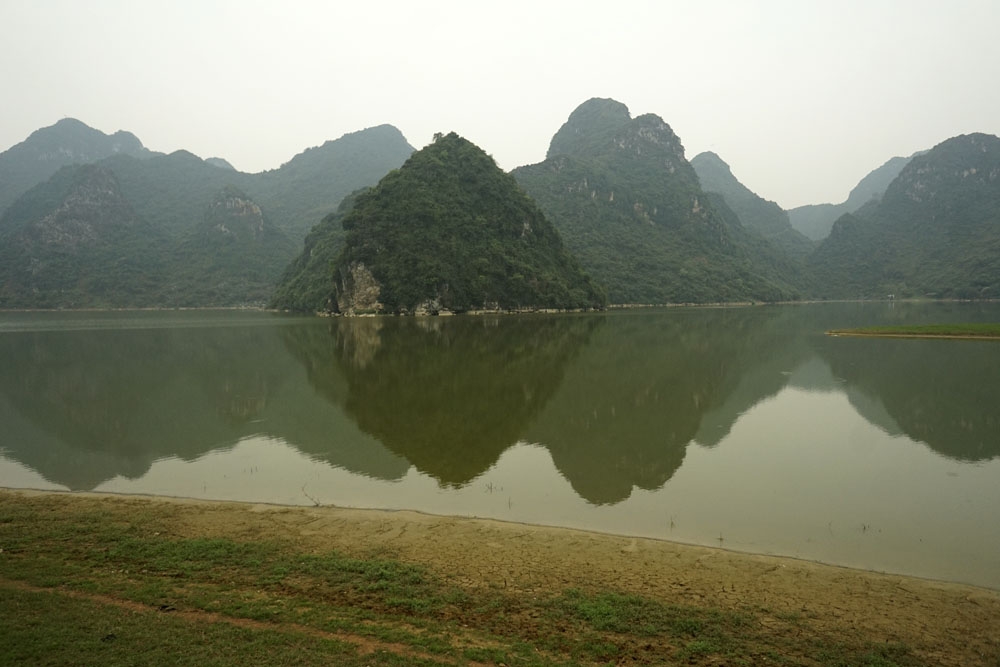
(741, 428)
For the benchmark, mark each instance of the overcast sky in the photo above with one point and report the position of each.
(801, 98)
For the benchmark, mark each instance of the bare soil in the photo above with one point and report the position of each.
(943, 623)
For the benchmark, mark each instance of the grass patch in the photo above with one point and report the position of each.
(104, 582)
(987, 331)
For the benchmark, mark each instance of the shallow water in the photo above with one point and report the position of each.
(746, 428)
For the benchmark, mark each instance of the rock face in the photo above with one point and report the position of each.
(631, 207)
(450, 231)
(92, 211)
(935, 233)
(234, 214)
(359, 291)
(758, 214)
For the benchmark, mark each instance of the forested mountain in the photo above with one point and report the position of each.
(816, 220)
(75, 241)
(935, 233)
(95, 220)
(312, 184)
(67, 142)
(451, 231)
(630, 206)
(307, 282)
(195, 248)
(758, 214)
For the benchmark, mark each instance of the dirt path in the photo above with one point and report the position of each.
(948, 624)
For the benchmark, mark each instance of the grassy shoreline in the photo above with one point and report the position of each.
(88, 580)
(973, 331)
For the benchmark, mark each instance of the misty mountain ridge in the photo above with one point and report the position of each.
(148, 229)
(631, 207)
(763, 216)
(935, 233)
(173, 195)
(48, 149)
(816, 220)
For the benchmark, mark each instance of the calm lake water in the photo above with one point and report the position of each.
(745, 428)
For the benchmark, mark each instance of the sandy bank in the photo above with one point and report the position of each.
(948, 623)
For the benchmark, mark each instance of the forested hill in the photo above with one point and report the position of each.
(816, 220)
(312, 184)
(42, 154)
(630, 206)
(756, 213)
(450, 231)
(935, 233)
(186, 254)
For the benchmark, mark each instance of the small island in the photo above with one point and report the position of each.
(976, 331)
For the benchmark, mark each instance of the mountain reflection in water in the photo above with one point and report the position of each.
(615, 398)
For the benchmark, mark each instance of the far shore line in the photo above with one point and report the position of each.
(524, 311)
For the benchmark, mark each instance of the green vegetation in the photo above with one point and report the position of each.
(816, 220)
(306, 285)
(757, 214)
(631, 208)
(161, 237)
(312, 184)
(975, 330)
(76, 241)
(452, 230)
(49, 149)
(625, 205)
(934, 234)
(103, 582)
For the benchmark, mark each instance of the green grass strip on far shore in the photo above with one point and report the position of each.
(978, 331)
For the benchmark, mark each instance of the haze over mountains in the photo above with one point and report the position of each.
(95, 220)
(199, 233)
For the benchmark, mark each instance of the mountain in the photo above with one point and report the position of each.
(219, 162)
(234, 254)
(312, 184)
(763, 216)
(306, 284)
(200, 258)
(75, 241)
(631, 208)
(935, 233)
(67, 142)
(816, 220)
(451, 231)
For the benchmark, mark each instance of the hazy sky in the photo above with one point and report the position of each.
(801, 98)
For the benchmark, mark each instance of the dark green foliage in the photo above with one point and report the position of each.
(307, 283)
(234, 254)
(451, 228)
(178, 251)
(764, 217)
(312, 184)
(76, 241)
(935, 233)
(89, 249)
(631, 208)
